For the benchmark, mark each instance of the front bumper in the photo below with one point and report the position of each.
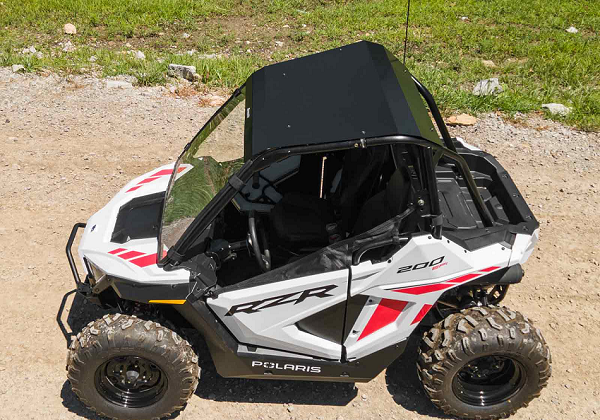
(83, 287)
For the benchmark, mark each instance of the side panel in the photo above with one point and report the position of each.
(234, 360)
(267, 315)
(403, 289)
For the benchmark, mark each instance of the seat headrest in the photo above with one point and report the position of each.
(396, 192)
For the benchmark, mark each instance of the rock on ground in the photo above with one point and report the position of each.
(462, 119)
(487, 87)
(558, 109)
(212, 100)
(18, 68)
(118, 84)
(184, 72)
(69, 29)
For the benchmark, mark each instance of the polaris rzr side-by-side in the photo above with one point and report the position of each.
(342, 225)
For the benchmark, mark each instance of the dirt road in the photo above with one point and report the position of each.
(67, 147)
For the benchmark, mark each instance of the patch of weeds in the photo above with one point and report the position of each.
(536, 60)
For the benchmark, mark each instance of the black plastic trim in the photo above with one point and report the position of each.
(358, 370)
(522, 219)
(510, 275)
(123, 232)
(327, 324)
(143, 292)
(353, 309)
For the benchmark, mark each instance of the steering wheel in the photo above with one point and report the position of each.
(256, 233)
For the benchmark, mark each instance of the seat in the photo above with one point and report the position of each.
(385, 204)
(360, 175)
(301, 218)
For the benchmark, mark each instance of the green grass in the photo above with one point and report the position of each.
(537, 61)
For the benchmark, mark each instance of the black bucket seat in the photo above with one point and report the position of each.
(300, 219)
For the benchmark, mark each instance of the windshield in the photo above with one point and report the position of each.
(202, 170)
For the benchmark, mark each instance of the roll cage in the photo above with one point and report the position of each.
(427, 203)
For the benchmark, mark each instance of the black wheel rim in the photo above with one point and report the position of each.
(489, 380)
(131, 381)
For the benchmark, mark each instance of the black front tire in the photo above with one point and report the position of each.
(483, 363)
(146, 351)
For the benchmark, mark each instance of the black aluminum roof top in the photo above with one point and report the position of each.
(357, 91)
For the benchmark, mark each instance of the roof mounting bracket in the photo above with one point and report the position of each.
(236, 183)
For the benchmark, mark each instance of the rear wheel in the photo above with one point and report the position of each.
(124, 367)
(483, 363)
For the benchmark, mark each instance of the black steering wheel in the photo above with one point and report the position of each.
(256, 233)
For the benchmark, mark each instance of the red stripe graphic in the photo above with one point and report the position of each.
(164, 172)
(131, 254)
(147, 180)
(156, 175)
(428, 288)
(464, 278)
(386, 312)
(144, 261)
(421, 314)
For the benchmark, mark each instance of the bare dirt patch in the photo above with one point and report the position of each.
(64, 152)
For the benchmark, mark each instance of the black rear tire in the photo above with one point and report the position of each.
(483, 363)
(128, 368)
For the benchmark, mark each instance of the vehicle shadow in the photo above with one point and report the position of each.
(79, 315)
(404, 385)
(72, 403)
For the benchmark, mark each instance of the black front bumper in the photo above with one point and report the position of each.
(83, 287)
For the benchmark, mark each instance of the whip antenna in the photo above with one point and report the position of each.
(406, 34)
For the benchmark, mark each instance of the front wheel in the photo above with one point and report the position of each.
(483, 363)
(125, 368)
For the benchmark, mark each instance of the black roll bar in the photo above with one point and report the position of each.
(434, 206)
(435, 111)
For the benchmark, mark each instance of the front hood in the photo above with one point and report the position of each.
(121, 238)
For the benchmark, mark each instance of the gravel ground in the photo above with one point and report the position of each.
(67, 146)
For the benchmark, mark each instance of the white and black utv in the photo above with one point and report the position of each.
(340, 223)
